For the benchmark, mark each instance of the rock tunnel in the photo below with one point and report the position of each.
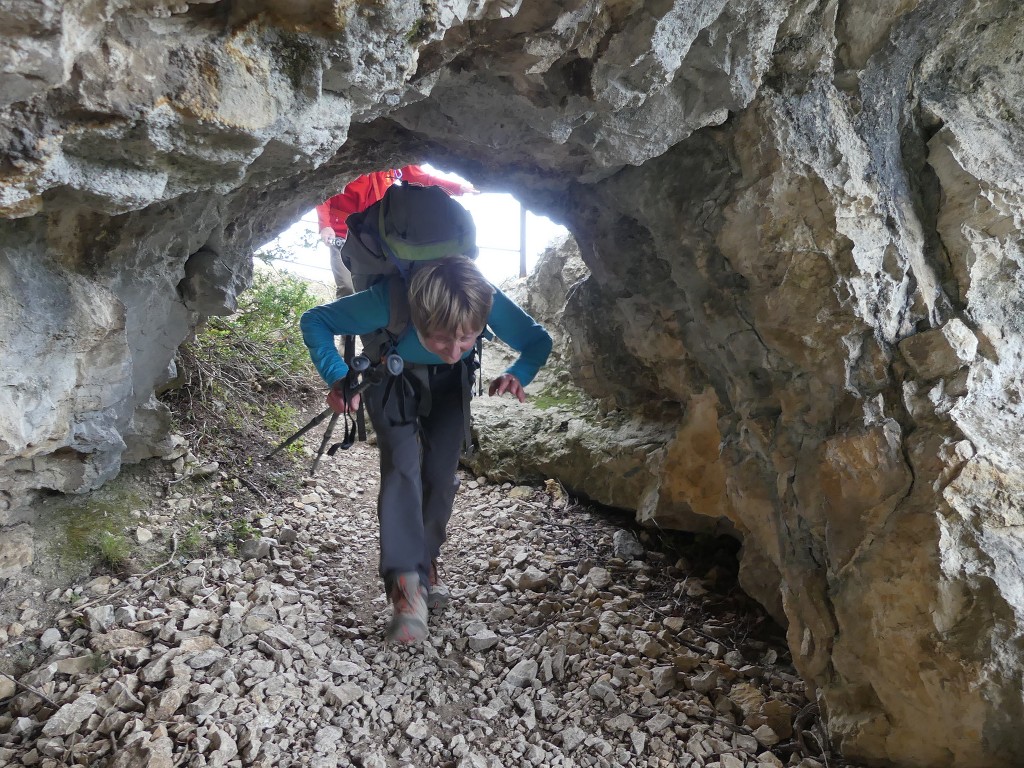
(802, 220)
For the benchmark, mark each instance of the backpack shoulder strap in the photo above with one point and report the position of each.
(362, 253)
(378, 343)
(398, 307)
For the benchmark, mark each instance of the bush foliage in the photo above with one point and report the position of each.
(239, 371)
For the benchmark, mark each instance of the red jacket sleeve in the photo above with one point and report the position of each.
(413, 174)
(333, 214)
(366, 190)
(356, 196)
(323, 216)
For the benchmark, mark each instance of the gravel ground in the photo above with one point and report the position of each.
(570, 642)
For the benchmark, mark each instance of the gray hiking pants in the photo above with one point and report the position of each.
(418, 459)
(342, 275)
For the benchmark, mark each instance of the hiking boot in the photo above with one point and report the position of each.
(409, 604)
(438, 595)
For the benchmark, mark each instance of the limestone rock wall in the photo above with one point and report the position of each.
(802, 220)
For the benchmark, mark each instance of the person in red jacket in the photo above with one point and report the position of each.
(360, 195)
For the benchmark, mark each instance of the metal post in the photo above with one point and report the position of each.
(522, 241)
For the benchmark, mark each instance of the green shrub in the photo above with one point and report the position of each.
(242, 529)
(114, 549)
(260, 344)
(237, 370)
(279, 418)
(192, 543)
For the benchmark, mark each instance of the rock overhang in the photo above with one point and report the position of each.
(775, 201)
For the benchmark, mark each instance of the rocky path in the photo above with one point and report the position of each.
(569, 643)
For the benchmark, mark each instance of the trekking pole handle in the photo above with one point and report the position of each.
(358, 388)
(395, 364)
(355, 380)
(350, 425)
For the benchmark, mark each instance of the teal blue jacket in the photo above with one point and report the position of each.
(369, 311)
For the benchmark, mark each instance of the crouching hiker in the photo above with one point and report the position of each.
(420, 416)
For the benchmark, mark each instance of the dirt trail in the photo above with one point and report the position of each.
(569, 643)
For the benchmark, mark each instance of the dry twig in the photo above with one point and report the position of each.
(142, 577)
(30, 689)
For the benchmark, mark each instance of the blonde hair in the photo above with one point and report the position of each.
(449, 295)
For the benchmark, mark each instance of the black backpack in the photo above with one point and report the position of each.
(409, 225)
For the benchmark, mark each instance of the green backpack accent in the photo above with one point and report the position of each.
(409, 225)
(424, 223)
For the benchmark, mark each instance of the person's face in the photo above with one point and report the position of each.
(450, 347)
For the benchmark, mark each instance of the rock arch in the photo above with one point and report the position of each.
(803, 226)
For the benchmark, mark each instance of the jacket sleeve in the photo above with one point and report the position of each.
(359, 313)
(351, 200)
(323, 215)
(413, 174)
(521, 332)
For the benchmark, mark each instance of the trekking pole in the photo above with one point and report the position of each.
(394, 366)
(323, 443)
(357, 370)
(315, 421)
(350, 426)
(359, 367)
